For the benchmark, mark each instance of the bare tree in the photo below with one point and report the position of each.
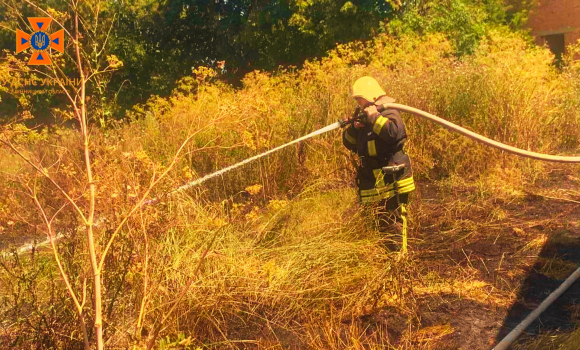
(85, 53)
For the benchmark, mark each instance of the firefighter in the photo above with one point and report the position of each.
(384, 177)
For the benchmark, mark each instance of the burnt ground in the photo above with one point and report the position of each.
(564, 313)
(514, 251)
(521, 257)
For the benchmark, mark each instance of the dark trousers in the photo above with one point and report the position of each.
(387, 213)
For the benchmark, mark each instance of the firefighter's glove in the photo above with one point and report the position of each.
(372, 113)
(357, 121)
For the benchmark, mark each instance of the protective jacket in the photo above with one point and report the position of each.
(380, 143)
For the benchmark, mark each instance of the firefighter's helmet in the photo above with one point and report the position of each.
(367, 88)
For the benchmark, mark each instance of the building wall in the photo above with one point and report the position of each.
(556, 17)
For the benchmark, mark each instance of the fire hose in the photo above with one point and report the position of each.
(343, 123)
(504, 344)
(516, 332)
(477, 137)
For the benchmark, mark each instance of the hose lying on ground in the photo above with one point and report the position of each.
(516, 332)
(470, 134)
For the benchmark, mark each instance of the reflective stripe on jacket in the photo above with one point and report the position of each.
(380, 144)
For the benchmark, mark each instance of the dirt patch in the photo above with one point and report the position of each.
(519, 251)
(474, 327)
(555, 263)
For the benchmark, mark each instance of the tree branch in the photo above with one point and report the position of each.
(139, 203)
(71, 201)
(63, 274)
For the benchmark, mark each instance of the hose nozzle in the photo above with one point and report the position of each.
(359, 114)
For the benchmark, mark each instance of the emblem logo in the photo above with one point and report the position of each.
(39, 41)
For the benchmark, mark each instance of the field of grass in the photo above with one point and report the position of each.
(278, 254)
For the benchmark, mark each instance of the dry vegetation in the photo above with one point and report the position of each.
(290, 259)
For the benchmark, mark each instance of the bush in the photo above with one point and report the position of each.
(291, 256)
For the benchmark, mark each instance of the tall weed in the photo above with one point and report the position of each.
(294, 262)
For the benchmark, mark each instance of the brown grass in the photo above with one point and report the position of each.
(295, 263)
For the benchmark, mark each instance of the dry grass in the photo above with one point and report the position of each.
(295, 262)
